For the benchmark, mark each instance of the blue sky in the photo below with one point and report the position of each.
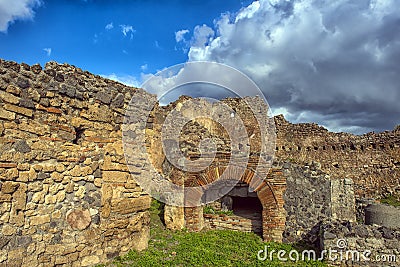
(89, 34)
(334, 62)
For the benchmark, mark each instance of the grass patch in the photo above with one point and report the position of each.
(207, 248)
(391, 200)
(210, 210)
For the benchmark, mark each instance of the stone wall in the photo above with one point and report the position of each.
(381, 245)
(66, 196)
(371, 160)
(233, 222)
(311, 197)
(383, 214)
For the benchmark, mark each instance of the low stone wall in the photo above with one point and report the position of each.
(375, 245)
(234, 222)
(384, 215)
(66, 196)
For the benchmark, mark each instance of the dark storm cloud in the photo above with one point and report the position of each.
(333, 62)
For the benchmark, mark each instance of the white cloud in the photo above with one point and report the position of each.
(157, 45)
(331, 61)
(109, 26)
(180, 35)
(48, 51)
(202, 35)
(124, 79)
(248, 13)
(12, 10)
(127, 29)
(95, 38)
(144, 67)
(197, 80)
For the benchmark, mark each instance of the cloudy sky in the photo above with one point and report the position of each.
(334, 62)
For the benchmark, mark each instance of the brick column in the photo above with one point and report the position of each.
(273, 214)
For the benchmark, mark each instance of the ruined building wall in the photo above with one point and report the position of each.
(269, 192)
(371, 160)
(66, 196)
(311, 198)
(373, 245)
(369, 163)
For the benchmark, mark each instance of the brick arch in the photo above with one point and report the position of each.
(270, 193)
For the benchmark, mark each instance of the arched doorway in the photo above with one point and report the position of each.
(263, 207)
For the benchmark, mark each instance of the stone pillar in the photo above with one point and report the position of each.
(343, 200)
(174, 217)
(273, 214)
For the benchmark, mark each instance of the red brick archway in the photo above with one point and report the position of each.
(270, 193)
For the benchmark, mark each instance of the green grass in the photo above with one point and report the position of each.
(210, 210)
(207, 248)
(391, 200)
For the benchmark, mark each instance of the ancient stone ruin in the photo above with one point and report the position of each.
(67, 196)
(309, 162)
(318, 180)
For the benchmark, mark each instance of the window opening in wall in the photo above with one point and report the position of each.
(78, 135)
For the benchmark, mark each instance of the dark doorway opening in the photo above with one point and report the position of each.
(246, 205)
(249, 208)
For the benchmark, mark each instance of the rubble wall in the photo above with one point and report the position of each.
(311, 198)
(66, 196)
(371, 160)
